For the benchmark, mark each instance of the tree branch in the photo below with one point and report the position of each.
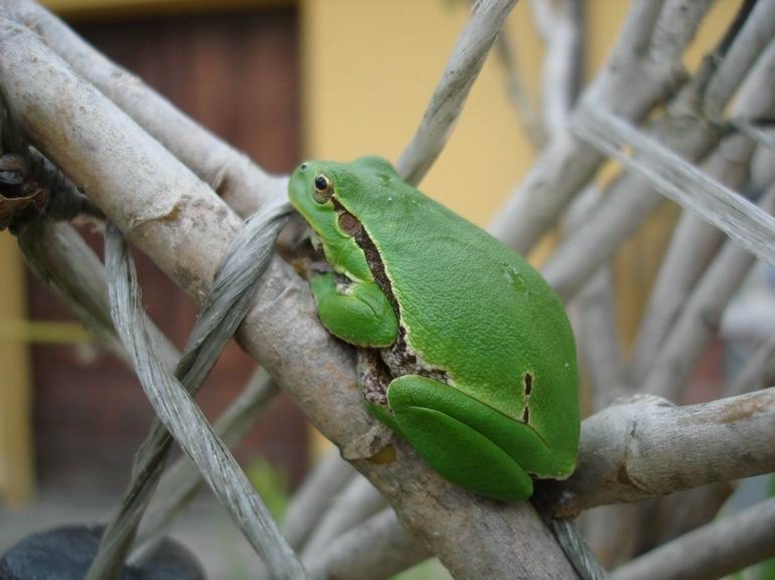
(645, 447)
(712, 551)
(631, 198)
(631, 83)
(693, 244)
(356, 503)
(314, 497)
(239, 181)
(376, 549)
(699, 320)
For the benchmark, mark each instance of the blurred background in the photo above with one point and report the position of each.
(282, 81)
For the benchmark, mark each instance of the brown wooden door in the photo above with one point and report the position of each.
(236, 73)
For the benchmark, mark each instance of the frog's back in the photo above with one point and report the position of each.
(489, 320)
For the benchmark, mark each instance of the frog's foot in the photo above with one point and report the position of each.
(465, 441)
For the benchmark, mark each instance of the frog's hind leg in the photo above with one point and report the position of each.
(434, 418)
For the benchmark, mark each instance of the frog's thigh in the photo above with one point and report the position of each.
(428, 413)
(362, 315)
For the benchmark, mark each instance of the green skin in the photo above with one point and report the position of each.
(479, 352)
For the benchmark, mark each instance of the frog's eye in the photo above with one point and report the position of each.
(324, 189)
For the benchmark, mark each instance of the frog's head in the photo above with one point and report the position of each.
(327, 195)
(316, 187)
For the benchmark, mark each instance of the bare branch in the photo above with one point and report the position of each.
(315, 496)
(679, 513)
(710, 552)
(631, 198)
(632, 82)
(758, 372)
(562, 64)
(356, 503)
(693, 244)
(684, 183)
(597, 341)
(450, 95)
(645, 447)
(756, 32)
(515, 91)
(761, 136)
(543, 17)
(699, 320)
(593, 317)
(376, 549)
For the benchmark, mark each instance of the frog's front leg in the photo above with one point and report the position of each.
(360, 313)
(467, 442)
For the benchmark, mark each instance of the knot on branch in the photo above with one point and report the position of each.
(30, 185)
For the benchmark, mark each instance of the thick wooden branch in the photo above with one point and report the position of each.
(241, 183)
(176, 219)
(646, 447)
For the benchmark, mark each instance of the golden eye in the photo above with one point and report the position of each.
(324, 189)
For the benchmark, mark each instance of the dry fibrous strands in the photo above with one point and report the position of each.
(179, 484)
(182, 416)
(224, 308)
(643, 69)
(62, 260)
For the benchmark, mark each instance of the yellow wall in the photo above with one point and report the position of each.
(16, 451)
(370, 66)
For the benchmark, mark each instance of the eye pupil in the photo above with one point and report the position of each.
(323, 189)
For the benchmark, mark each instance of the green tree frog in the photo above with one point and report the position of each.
(468, 352)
